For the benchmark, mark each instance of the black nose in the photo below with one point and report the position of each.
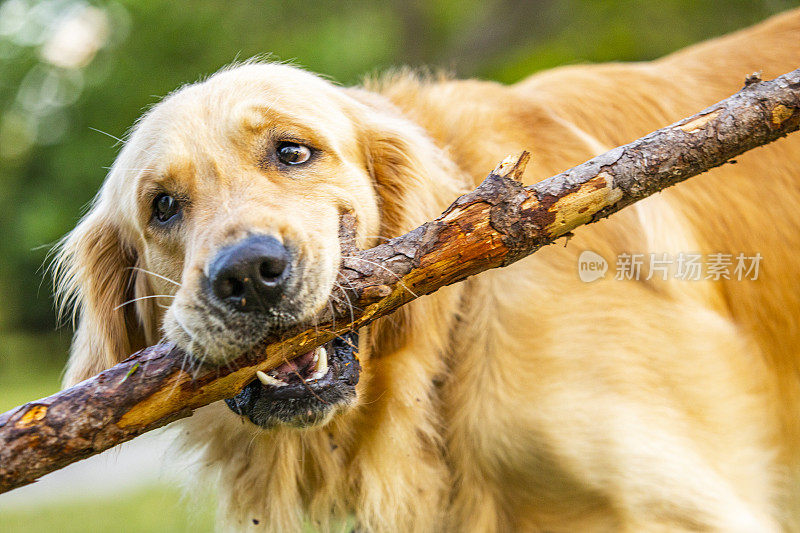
(250, 274)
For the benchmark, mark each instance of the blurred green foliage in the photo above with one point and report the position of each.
(70, 67)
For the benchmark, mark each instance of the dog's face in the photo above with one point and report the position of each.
(239, 186)
(219, 222)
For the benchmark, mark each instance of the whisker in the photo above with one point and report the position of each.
(185, 356)
(333, 314)
(349, 284)
(349, 343)
(130, 169)
(349, 303)
(232, 365)
(305, 383)
(342, 338)
(144, 367)
(175, 385)
(165, 278)
(399, 279)
(123, 304)
(389, 318)
(119, 141)
(194, 370)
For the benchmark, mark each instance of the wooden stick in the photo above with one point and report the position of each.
(496, 224)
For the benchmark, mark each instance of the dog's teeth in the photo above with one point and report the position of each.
(322, 364)
(321, 367)
(266, 379)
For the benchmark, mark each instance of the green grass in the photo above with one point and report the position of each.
(30, 368)
(153, 509)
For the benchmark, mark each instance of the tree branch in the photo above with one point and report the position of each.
(495, 225)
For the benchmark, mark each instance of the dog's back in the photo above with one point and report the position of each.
(705, 369)
(749, 207)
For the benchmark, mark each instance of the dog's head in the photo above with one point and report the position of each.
(219, 220)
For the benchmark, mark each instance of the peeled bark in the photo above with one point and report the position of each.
(495, 225)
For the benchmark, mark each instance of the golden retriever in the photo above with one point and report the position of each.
(522, 399)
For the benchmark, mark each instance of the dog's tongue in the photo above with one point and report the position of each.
(298, 365)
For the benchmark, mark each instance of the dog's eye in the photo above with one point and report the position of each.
(293, 154)
(165, 207)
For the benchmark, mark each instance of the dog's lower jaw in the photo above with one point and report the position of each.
(303, 402)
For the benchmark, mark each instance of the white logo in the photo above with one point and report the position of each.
(591, 266)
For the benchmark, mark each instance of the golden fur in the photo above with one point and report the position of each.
(521, 399)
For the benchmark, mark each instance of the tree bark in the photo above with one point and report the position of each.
(495, 225)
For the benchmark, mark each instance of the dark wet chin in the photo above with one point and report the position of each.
(303, 403)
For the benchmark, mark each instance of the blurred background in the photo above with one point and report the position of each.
(74, 76)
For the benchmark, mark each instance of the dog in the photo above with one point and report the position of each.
(522, 399)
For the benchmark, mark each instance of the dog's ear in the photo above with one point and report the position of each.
(95, 276)
(415, 181)
(413, 177)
